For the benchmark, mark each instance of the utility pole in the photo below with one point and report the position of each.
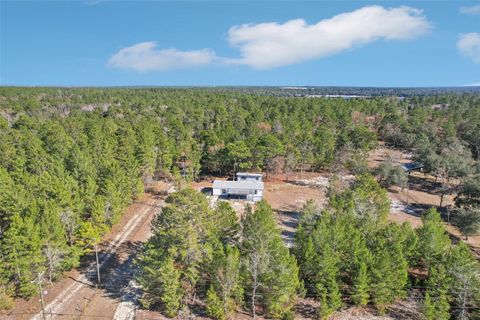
(42, 301)
(406, 191)
(98, 265)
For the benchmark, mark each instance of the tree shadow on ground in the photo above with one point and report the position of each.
(307, 308)
(407, 309)
(417, 209)
(116, 271)
(288, 220)
(424, 185)
(207, 190)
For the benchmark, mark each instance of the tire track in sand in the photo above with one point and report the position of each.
(64, 297)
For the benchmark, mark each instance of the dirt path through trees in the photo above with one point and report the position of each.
(77, 295)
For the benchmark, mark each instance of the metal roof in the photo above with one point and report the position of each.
(412, 166)
(249, 174)
(248, 185)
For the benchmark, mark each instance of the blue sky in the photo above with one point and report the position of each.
(324, 43)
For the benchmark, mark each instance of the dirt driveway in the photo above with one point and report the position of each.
(77, 295)
(287, 199)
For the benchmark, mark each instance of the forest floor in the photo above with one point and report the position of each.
(76, 295)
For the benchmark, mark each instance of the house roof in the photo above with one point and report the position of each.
(248, 185)
(249, 174)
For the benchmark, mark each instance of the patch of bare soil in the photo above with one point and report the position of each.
(407, 309)
(423, 192)
(383, 152)
(287, 199)
(285, 196)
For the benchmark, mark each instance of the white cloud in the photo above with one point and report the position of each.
(469, 45)
(145, 57)
(470, 10)
(269, 45)
(475, 84)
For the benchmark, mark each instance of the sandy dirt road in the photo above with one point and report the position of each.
(77, 296)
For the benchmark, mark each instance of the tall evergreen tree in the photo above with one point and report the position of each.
(433, 240)
(436, 304)
(464, 272)
(271, 273)
(162, 287)
(225, 291)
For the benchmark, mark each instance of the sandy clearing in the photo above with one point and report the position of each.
(423, 193)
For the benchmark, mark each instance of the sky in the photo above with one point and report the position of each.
(229, 43)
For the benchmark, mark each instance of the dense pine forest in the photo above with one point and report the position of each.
(72, 159)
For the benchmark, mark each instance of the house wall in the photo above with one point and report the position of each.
(254, 197)
(248, 178)
(250, 197)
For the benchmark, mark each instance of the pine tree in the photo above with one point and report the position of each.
(54, 242)
(433, 240)
(303, 248)
(429, 308)
(183, 251)
(6, 301)
(271, 273)
(307, 259)
(22, 254)
(436, 305)
(89, 238)
(171, 294)
(225, 277)
(161, 285)
(468, 221)
(330, 296)
(409, 239)
(226, 223)
(381, 287)
(464, 271)
(215, 306)
(361, 286)
(436, 308)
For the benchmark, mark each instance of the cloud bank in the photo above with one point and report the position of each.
(469, 45)
(470, 10)
(270, 45)
(145, 57)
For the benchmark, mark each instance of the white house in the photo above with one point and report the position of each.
(248, 186)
